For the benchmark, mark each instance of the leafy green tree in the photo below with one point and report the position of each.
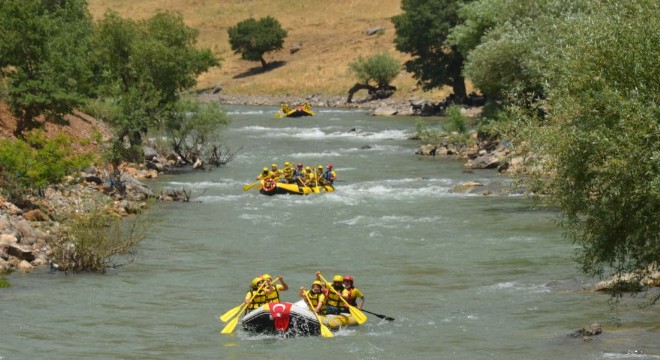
(144, 66)
(506, 43)
(422, 31)
(43, 50)
(253, 38)
(375, 74)
(194, 125)
(600, 144)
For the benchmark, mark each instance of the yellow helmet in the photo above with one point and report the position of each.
(255, 282)
(320, 167)
(287, 164)
(264, 169)
(307, 168)
(274, 166)
(338, 278)
(317, 282)
(266, 277)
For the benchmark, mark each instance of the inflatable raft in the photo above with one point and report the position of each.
(296, 111)
(272, 187)
(291, 320)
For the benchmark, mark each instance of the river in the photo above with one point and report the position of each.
(465, 276)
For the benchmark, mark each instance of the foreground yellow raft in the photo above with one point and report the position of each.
(291, 320)
(334, 322)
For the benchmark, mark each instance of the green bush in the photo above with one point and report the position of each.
(36, 162)
(96, 241)
(455, 121)
(380, 68)
(426, 135)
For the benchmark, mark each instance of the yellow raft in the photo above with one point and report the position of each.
(334, 322)
(296, 111)
(270, 187)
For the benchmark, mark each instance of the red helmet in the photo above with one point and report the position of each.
(349, 278)
(330, 166)
(299, 164)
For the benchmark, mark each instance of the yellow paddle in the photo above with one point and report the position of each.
(305, 185)
(325, 332)
(237, 310)
(229, 328)
(316, 180)
(358, 315)
(250, 186)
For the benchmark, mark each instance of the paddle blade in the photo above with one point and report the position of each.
(231, 313)
(358, 315)
(250, 186)
(325, 332)
(229, 328)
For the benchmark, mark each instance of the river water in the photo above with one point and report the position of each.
(465, 276)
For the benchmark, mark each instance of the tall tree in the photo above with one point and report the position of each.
(600, 143)
(43, 50)
(253, 38)
(144, 66)
(506, 44)
(422, 30)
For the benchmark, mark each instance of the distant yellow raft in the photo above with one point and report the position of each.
(297, 111)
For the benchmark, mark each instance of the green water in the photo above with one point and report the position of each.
(465, 276)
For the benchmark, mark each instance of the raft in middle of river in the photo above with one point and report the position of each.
(272, 187)
(291, 320)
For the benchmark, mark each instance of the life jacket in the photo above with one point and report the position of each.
(258, 300)
(288, 174)
(329, 176)
(351, 300)
(314, 298)
(333, 299)
(273, 296)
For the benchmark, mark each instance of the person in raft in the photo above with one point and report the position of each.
(257, 296)
(351, 294)
(317, 297)
(273, 290)
(333, 301)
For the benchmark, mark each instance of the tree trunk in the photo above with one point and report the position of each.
(357, 87)
(264, 64)
(459, 88)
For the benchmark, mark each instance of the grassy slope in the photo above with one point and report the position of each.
(332, 35)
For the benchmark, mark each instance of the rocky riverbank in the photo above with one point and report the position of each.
(27, 235)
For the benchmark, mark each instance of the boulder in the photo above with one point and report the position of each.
(20, 253)
(589, 330)
(8, 239)
(374, 31)
(35, 215)
(25, 266)
(385, 111)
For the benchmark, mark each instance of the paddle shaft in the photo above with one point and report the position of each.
(379, 315)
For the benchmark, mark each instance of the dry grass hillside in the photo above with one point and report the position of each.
(332, 34)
